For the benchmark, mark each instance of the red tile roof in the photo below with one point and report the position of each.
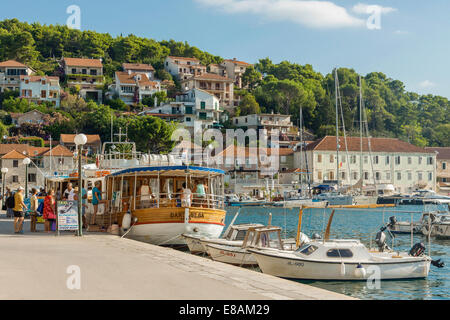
(377, 145)
(126, 78)
(38, 78)
(14, 155)
(137, 66)
(78, 62)
(59, 151)
(12, 64)
(238, 62)
(183, 58)
(442, 153)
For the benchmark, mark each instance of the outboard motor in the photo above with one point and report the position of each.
(417, 250)
(381, 241)
(316, 236)
(392, 221)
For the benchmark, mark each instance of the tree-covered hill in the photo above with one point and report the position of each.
(284, 87)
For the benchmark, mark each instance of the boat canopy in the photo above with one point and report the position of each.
(172, 171)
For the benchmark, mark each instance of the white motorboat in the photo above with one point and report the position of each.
(341, 260)
(264, 238)
(416, 227)
(437, 226)
(344, 260)
(234, 236)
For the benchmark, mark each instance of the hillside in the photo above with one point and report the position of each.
(391, 111)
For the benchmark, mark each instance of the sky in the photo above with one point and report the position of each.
(405, 39)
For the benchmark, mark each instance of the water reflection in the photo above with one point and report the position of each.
(363, 225)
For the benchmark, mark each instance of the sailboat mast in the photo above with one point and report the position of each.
(337, 126)
(301, 148)
(360, 133)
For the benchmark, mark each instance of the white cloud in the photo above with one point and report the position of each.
(427, 84)
(310, 13)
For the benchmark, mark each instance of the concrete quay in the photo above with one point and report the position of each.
(35, 266)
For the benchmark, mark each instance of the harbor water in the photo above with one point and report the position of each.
(363, 224)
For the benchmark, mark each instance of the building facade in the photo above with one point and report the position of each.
(195, 110)
(10, 73)
(443, 169)
(85, 75)
(132, 88)
(183, 68)
(40, 89)
(386, 161)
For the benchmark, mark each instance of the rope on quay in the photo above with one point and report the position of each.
(164, 242)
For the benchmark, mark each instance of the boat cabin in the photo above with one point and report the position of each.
(263, 237)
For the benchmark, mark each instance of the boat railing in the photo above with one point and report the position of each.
(173, 200)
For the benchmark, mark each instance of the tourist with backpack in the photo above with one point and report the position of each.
(9, 203)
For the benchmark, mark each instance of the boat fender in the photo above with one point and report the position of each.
(126, 221)
(360, 271)
(342, 269)
(316, 236)
(417, 250)
(438, 263)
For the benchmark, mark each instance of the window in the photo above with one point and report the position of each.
(420, 176)
(366, 159)
(203, 105)
(84, 71)
(331, 175)
(343, 176)
(43, 94)
(397, 160)
(188, 119)
(409, 160)
(339, 253)
(444, 166)
(430, 176)
(353, 159)
(307, 249)
(15, 163)
(388, 176)
(388, 160)
(15, 179)
(409, 176)
(355, 176)
(237, 121)
(420, 160)
(74, 71)
(331, 158)
(430, 161)
(378, 176)
(366, 176)
(31, 177)
(319, 158)
(375, 160)
(399, 176)
(319, 175)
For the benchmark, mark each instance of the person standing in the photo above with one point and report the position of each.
(83, 204)
(186, 196)
(96, 200)
(49, 210)
(19, 211)
(34, 204)
(69, 194)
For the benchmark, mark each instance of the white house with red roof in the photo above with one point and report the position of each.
(133, 87)
(40, 89)
(10, 73)
(85, 75)
(235, 70)
(183, 68)
(383, 161)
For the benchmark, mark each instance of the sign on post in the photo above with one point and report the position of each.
(67, 215)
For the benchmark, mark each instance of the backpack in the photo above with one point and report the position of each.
(10, 202)
(40, 209)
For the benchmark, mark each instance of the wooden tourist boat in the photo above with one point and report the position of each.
(150, 203)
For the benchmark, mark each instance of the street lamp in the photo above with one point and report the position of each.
(26, 162)
(4, 172)
(80, 140)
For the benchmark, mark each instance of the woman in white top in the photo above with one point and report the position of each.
(145, 194)
(186, 197)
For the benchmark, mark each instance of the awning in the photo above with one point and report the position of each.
(171, 170)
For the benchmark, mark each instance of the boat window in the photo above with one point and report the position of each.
(339, 253)
(240, 235)
(307, 249)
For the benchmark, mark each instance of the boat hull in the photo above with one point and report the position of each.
(231, 255)
(301, 269)
(165, 226)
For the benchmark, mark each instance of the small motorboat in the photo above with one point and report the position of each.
(437, 226)
(345, 260)
(263, 238)
(415, 227)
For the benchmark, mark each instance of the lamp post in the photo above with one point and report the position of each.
(26, 162)
(4, 172)
(80, 140)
